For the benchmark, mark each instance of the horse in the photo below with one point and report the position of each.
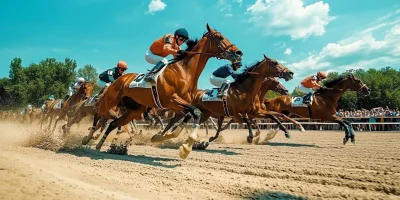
(175, 88)
(324, 103)
(68, 106)
(242, 97)
(269, 83)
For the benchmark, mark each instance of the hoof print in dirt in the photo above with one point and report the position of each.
(119, 149)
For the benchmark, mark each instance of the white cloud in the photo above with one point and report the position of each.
(240, 2)
(290, 17)
(228, 15)
(288, 51)
(224, 6)
(360, 51)
(155, 6)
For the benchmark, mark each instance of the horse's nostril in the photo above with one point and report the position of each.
(239, 53)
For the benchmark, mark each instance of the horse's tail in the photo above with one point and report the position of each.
(113, 95)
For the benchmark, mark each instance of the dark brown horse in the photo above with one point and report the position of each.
(324, 103)
(269, 83)
(175, 88)
(242, 99)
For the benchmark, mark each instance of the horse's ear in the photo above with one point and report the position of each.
(210, 30)
(265, 56)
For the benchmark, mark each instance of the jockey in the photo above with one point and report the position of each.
(51, 97)
(27, 109)
(73, 87)
(309, 83)
(110, 75)
(166, 45)
(219, 77)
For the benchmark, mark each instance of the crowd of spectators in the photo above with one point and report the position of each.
(374, 113)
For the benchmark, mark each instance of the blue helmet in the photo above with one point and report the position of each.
(51, 96)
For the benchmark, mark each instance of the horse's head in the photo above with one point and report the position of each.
(221, 47)
(355, 84)
(86, 89)
(276, 69)
(276, 86)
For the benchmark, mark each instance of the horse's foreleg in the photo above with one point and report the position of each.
(87, 138)
(248, 123)
(126, 117)
(162, 136)
(273, 115)
(347, 129)
(351, 131)
(254, 122)
(219, 124)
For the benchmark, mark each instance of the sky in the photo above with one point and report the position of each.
(306, 36)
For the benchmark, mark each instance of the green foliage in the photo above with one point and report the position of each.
(384, 84)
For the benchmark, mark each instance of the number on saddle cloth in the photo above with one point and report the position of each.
(211, 95)
(298, 101)
(139, 82)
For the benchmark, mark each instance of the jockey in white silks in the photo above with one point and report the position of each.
(220, 76)
(74, 87)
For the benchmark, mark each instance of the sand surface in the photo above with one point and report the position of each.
(312, 165)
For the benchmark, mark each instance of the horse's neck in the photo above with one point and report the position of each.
(334, 95)
(251, 85)
(265, 87)
(76, 98)
(194, 72)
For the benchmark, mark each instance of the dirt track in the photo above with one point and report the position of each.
(312, 165)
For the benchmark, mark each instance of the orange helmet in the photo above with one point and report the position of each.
(122, 64)
(322, 74)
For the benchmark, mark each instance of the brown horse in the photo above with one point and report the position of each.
(242, 96)
(269, 83)
(175, 87)
(68, 106)
(324, 103)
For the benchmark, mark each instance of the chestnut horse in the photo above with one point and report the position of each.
(242, 96)
(69, 105)
(176, 87)
(324, 103)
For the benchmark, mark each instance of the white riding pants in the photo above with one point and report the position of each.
(154, 59)
(217, 81)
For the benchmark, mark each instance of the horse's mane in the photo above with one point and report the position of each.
(190, 44)
(331, 83)
(248, 68)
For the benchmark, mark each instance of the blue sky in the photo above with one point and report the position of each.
(305, 35)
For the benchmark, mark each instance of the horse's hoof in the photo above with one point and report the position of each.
(85, 140)
(288, 136)
(205, 145)
(157, 138)
(302, 130)
(249, 139)
(98, 147)
(345, 141)
(184, 151)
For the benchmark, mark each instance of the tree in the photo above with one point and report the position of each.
(88, 72)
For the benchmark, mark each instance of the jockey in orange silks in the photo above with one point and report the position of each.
(309, 84)
(168, 44)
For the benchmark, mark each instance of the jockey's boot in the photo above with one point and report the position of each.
(152, 73)
(222, 89)
(307, 98)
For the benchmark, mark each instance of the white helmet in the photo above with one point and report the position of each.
(81, 79)
(29, 106)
